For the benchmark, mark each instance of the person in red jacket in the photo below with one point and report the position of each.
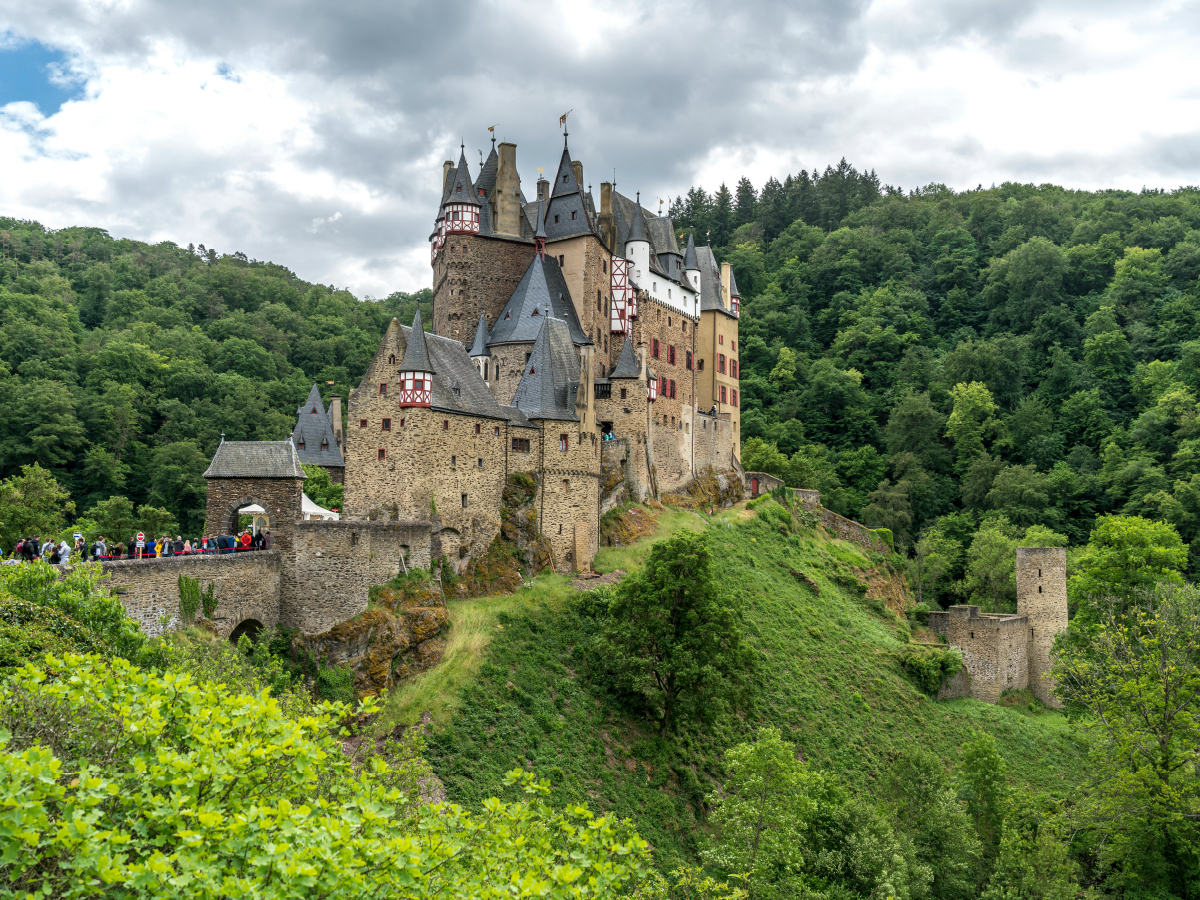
(245, 540)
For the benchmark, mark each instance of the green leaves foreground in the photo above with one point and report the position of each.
(123, 782)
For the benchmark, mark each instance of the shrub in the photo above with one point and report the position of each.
(885, 535)
(336, 683)
(930, 665)
(921, 612)
(121, 782)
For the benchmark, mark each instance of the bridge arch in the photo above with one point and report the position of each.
(252, 628)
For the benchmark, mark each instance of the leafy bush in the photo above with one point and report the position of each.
(885, 535)
(335, 683)
(78, 596)
(921, 612)
(28, 632)
(177, 788)
(930, 665)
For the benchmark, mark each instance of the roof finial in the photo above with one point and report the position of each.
(222, 437)
(492, 129)
(462, 145)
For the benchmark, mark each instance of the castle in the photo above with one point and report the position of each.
(575, 345)
(558, 328)
(1002, 651)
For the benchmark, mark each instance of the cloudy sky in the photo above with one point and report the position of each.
(312, 133)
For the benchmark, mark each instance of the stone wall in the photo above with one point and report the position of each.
(507, 367)
(328, 571)
(714, 445)
(478, 280)
(765, 483)
(1042, 599)
(585, 264)
(845, 529)
(993, 646)
(247, 588)
(672, 419)
(630, 418)
(280, 497)
(568, 501)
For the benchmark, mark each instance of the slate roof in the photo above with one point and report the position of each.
(733, 288)
(487, 175)
(637, 228)
(416, 355)
(567, 203)
(313, 429)
(627, 363)
(550, 382)
(689, 256)
(516, 417)
(662, 234)
(540, 218)
(457, 386)
(710, 282)
(541, 288)
(255, 459)
(479, 346)
(462, 179)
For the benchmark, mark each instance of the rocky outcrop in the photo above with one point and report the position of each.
(400, 634)
(708, 490)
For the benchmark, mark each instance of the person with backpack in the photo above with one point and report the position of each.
(50, 552)
(99, 549)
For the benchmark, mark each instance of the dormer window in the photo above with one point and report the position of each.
(556, 220)
(324, 445)
(457, 190)
(300, 446)
(535, 312)
(481, 192)
(572, 216)
(564, 179)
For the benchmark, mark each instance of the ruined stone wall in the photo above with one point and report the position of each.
(993, 648)
(568, 501)
(247, 588)
(1042, 599)
(474, 274)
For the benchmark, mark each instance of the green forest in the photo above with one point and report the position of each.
(122, 363)
(961, 367)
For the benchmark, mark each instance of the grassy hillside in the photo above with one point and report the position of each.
(514, 690)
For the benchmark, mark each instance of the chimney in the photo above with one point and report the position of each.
(607, 229)
(725, 300)
(543, 191)
(446, 167)
(335, 416)
(578, 167)
(507, 192)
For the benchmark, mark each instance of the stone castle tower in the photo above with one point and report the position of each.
(1042, 600)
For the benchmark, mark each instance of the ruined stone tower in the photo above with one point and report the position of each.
(1042, 599)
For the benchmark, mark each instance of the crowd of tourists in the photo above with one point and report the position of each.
(60, 552)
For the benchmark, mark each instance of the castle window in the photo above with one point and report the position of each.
(672, 388)
(479, 463)
(560, 524)
(383, 388)
(535, 312)
(671, 354)
(454, 461)
(721, 363)
(385, 425)
(572, 216)
(564, 179)
(477, 428)
(496, 431)
(464, 249)
(520, 445)
(562, 442)
(464, 501)
(314, 411)
(689, 360)
(733, 397)
(457, 190)
(527, 358)
(300, 446)
(485, 371)
(720, 339)
(445, 424)
(972, 635)
(604, 266)
(1039, 588)
(1031, 634)
(401, 423)
(382, 453)
(654, 347)
(566, 487)
(597, 299)
(453, 249)
(668, 317)
(734, 343)
(699, 365)
(481, 193)
(723, 394)
(562, 261)
(362, 423)
(324, 445)
(622, 393)
(683, 322)
(733, 368)
(556, 219)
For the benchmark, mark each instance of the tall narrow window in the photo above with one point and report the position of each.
(723, 400)
(382, 453)
(671, 354)
(445, 424)
(385, 425)
(733, 397)
(477, 428)
(689, 360)
(464, 501)
(496, 431)
(562, 442)
(453, 460)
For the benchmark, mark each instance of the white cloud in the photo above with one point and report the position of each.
(313, 134)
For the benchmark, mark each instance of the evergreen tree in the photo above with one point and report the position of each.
(745, 202)
(722, 217)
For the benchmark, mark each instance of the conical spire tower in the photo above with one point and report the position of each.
(416, 369)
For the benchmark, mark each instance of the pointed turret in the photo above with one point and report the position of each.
(637, 247)
(627, 363)
(461, 207)
(479, 347)
(735, 298)
(313, 435)
(566, 212)
(416, 370)
(549, 385)
(691, 264)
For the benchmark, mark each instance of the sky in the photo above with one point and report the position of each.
(312, 133)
